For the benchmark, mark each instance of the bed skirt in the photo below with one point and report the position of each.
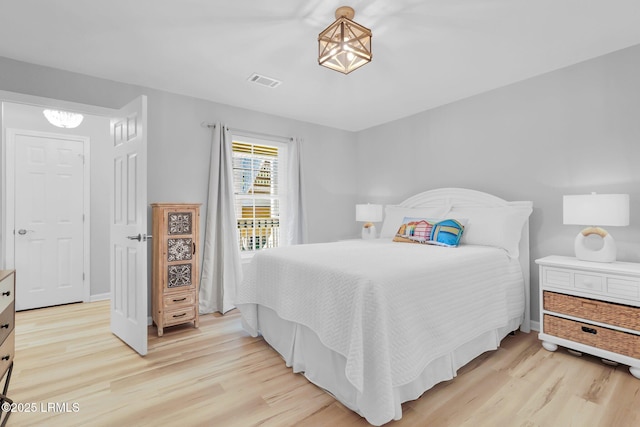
(303, 351)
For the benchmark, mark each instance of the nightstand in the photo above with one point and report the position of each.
(591, 307)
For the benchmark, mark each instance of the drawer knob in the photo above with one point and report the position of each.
(6, 294)
(179, 315)
(5, 326)
(7, 357)
(589, 330)
(180, 299)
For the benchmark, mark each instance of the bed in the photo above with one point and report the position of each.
(377, 322)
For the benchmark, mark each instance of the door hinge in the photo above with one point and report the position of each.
(83, 277)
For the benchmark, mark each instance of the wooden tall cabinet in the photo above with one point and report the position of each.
(175, 273)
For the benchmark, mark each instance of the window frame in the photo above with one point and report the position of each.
(282, 160)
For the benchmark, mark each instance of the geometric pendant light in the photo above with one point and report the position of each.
(344, 45)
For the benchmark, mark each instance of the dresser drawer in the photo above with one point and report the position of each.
(6, 321)
(623, 316)
(182, 315)
(179, 299)
(594, 336)
(7, 350)
(7, 291)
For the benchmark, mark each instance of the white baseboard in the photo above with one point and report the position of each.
(535, 326)
(100, 297)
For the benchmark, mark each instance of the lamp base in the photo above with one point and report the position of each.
(369, 231)
(605, 254)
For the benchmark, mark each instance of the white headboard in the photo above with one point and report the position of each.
(458, 197)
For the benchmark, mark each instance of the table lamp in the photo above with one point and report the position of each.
(369, 214)
(596, 210)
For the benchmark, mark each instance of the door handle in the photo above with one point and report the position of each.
(140, 237)
(22, 231)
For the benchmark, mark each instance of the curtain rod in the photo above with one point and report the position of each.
(251, 133)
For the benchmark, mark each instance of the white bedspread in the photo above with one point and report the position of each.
(389, 308)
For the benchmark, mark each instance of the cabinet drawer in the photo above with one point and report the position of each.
(623, 316)
(7, 350)
(179, 299)
(6, 321)
(174, 317)
(622, 287)
(554, 277)
(588, 282)
(594, 336)
(6, 291)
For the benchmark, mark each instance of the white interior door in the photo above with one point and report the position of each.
(129, 226)
(49, 215)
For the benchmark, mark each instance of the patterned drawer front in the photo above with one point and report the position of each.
(6, 321)
(588, 282)
(594, 336)
(623, 316)
(178, 299)
(557, 277)
(6, 291)
(7, 350)
(183, 315)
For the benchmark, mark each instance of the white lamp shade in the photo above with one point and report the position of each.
(369, 213)
(596, 209)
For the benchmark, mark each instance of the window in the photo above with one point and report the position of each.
(257, 182)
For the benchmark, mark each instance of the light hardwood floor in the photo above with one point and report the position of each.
(219, 376)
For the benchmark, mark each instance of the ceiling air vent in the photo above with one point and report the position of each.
(264, 80)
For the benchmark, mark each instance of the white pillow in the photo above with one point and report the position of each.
(393, 216)
(500, 227)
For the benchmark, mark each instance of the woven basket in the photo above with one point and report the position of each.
(594, 336)
(623, 316)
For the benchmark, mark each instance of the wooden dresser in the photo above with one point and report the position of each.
(175, 273)
(7, 332)
(591, 307)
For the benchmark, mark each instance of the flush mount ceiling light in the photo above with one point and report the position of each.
(63, 119)
(344, 45)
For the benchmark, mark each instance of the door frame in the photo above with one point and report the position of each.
(10, 186)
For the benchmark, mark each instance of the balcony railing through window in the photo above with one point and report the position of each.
(256, 234)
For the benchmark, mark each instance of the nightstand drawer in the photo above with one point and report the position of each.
(624, 288)
(554, 277)
(588, 282)
(623, 316)
(183, 315)
(594, 336)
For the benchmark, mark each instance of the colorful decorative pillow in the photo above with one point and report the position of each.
(393, 216)
(444, 232)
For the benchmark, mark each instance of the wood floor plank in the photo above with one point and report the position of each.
(218, 375)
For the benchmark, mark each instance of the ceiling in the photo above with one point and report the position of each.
(426, 53)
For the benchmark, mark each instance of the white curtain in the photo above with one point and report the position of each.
(296, 221)
(221, 268)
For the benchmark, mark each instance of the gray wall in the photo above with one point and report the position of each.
(179, 147)
(571, 131)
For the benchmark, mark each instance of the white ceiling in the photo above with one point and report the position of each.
(426, 53)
